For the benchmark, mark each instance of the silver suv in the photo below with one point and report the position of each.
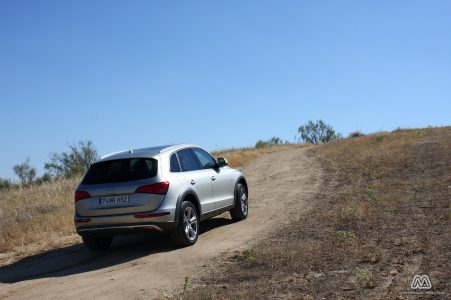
(166, 188)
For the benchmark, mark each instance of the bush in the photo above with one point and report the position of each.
(274, 141)
(317, 132)
(355, 134)
(74, 163)
(5, 183)
(44, 178)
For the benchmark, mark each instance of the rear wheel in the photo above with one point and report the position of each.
(97, 243)
(241, 209)
(187, 229)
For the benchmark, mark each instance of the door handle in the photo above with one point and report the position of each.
(193, 181)
(213, 178)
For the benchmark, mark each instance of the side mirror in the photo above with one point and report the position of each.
(222, 162)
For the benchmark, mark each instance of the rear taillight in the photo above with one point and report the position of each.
(79, 195)
(160, 188)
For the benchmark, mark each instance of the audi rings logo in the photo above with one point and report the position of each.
(421, 282)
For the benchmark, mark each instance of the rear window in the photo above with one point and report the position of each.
(121, 170)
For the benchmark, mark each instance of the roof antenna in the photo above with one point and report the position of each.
(130, 151)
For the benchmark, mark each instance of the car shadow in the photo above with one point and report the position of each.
(78, 259)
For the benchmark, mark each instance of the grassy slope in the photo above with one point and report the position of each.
(36, 218)
(39, 218)
(382, 217)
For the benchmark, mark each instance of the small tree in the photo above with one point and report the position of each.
(72, 163)
(317, 132)
(25, 172)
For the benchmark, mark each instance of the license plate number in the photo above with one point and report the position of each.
(114, 200)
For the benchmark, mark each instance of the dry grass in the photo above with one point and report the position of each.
(382, 217)
(242, 156)
(36, 218)
(39, 218)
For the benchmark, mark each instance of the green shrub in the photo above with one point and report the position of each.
(317, 132)
(355, 134)
(5, 183)
(274, 141)
(249, 255)
(344, 236)
(371, 193)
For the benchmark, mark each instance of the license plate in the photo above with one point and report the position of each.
(114, 200)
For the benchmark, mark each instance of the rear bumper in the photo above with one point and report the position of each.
(123, 229)
(124, 224)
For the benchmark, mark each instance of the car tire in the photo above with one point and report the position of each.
(97, 243)
(187, 230)
(241, 209)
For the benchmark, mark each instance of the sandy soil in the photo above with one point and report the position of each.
(146, 266)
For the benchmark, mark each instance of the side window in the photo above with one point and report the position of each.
(205, 159)
(175, 167)
(187, 160)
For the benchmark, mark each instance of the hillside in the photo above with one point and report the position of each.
(381, 217)
(354, 218)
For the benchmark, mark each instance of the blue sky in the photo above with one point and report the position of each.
(216, 73)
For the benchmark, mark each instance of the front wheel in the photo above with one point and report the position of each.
(241, 209)
(187, 229)
(97, 243)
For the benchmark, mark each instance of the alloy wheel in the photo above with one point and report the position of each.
(190, 223)
(243, 199)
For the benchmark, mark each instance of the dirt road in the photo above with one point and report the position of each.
(141, 267)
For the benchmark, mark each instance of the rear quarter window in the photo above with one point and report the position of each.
(175, 167)
(121, 170)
